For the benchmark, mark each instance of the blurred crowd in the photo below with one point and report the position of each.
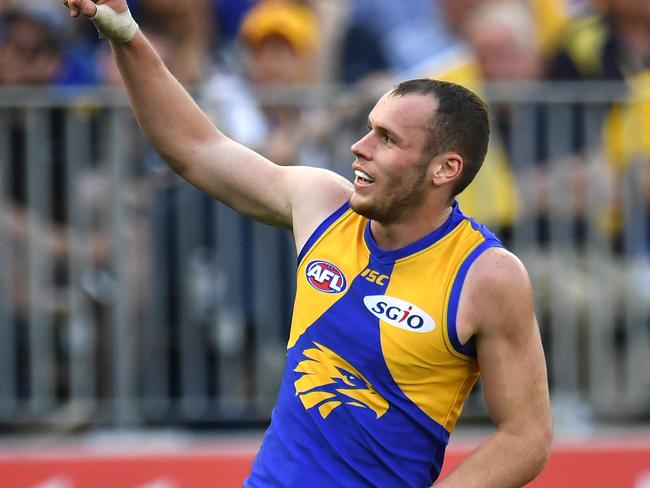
(541, 166)
(225, 48)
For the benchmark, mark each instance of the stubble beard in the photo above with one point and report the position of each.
(392, 206)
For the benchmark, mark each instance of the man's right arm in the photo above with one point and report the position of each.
(186, 139)
(194, 148)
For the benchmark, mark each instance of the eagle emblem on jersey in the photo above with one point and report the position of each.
(329, 381)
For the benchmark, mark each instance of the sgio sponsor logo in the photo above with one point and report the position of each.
(325, 277)
(399, 313)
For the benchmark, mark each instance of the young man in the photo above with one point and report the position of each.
(401, 299)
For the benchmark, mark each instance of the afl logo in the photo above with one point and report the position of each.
(399, 313)
(325, 277)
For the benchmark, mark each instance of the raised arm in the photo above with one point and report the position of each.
(496, 308)
(194, 148)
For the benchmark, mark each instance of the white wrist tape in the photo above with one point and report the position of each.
(115, 27)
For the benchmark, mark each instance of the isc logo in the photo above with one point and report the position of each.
(374, 276)
(325, 277)
(399, 313)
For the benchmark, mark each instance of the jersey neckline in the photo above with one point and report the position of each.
(455, 218)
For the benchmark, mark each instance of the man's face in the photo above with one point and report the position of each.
(392, 158)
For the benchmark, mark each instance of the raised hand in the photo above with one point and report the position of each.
(111, 17)
(89, 8)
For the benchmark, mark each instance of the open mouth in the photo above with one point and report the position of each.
(362, 177)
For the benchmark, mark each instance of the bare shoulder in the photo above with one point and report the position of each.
(497, 295)
(499, 271)
(315, 194)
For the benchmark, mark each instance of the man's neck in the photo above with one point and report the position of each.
(403, 232)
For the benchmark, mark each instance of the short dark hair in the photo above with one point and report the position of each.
(460, 123)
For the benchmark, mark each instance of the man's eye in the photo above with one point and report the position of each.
(387, 139)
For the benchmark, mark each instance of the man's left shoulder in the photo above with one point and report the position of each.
(498, 289)
(500, 268)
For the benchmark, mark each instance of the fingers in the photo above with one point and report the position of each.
(77, 7)
(72, 6)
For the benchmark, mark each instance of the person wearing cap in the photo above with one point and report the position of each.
(282, 49)
(401, 299)
(292, 22)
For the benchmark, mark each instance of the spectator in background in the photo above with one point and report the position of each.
(494, 41)
(551, 180)
(502, 37)
(34, 49)
(505, 48)
(409, 38)
(552, 16)
(611, 45)
(614, 45)
(31, 49)
(552, 175)
(281, 41)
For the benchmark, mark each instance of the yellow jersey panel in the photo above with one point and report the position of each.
(426, 366)
(326, 282)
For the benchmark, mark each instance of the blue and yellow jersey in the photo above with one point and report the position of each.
(375, 376)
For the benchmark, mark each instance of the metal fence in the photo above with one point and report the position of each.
(128, 298)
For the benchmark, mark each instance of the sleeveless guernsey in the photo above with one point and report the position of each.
(375, 376)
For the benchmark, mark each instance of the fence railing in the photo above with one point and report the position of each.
(129, 298)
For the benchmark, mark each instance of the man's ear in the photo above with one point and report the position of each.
(446, 168)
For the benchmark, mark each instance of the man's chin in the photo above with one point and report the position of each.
(357, 205)
(363, 208)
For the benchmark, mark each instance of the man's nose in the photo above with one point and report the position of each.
(362, 148)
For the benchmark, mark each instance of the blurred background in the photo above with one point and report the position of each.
(143, 326)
